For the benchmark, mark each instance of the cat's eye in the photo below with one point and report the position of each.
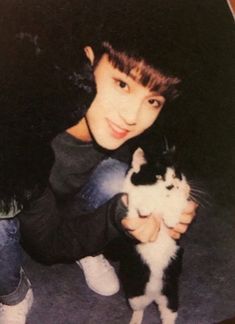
(170, 187)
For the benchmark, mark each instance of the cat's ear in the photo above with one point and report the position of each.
(170, 155)
(138, 159)
(172, 149)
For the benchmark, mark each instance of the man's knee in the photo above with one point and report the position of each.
(105, 182)
(9, 231)
(110, 176)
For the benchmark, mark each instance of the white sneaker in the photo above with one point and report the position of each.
(16, 314)
(100, 275)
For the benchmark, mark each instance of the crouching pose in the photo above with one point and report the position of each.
(66, 122)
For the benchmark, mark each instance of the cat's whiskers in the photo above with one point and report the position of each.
(200, 196)
(200, 192)
(196, 182)
(196, 197)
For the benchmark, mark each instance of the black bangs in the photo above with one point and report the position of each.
(143, 73)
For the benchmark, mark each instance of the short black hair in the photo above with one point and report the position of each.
(158, 34)
(161, 32)
(140, 71)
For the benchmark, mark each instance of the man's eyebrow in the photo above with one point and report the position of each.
(155, 93)
(137, 76)
(124, 74)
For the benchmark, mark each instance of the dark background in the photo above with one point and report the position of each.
(201, 123)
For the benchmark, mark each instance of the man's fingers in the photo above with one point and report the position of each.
(131, 224)
(140, 236)
(125, 223)
(189, 213)
(175, 235)
(180, 228)
(191, 207)
(155, 234)
(143, 233)
(186, 218)
(143, 229)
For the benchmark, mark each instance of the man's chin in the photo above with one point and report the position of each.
(108, 145)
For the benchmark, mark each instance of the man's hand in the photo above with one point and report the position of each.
(143, 229)
(146, 229)
(185, 220)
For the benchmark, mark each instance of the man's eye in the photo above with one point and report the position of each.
(154, 102)
(121, 84)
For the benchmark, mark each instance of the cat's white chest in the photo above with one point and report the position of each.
(158, 254)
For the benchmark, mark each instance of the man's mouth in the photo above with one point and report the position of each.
(117, 131)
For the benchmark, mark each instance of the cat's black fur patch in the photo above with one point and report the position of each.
(170, 279)
(134, 273)
(170, 187)
(147, 174)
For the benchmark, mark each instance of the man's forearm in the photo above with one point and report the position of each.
(55, 231)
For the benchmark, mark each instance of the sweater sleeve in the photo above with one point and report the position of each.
(74, 162)
(56, 231)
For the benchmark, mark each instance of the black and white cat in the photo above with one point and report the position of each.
(149, 271)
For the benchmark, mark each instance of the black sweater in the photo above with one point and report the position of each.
(56, 226)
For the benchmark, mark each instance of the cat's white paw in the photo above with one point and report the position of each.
(169, 317)
(137, 317)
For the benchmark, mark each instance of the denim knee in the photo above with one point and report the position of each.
(105, 182)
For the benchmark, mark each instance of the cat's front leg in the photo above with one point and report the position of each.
(137, 317)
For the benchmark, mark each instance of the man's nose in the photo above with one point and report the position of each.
(130, 112)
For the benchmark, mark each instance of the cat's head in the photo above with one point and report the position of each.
(156, 187)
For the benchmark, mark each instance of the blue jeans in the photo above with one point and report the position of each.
(13, 282)
(105, 181)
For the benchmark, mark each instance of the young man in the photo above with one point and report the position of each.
(81, 210)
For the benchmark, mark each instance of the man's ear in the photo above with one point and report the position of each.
(90, 54)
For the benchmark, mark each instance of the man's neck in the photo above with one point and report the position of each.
(81, 131)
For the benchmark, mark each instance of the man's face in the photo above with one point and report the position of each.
(122, 107)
